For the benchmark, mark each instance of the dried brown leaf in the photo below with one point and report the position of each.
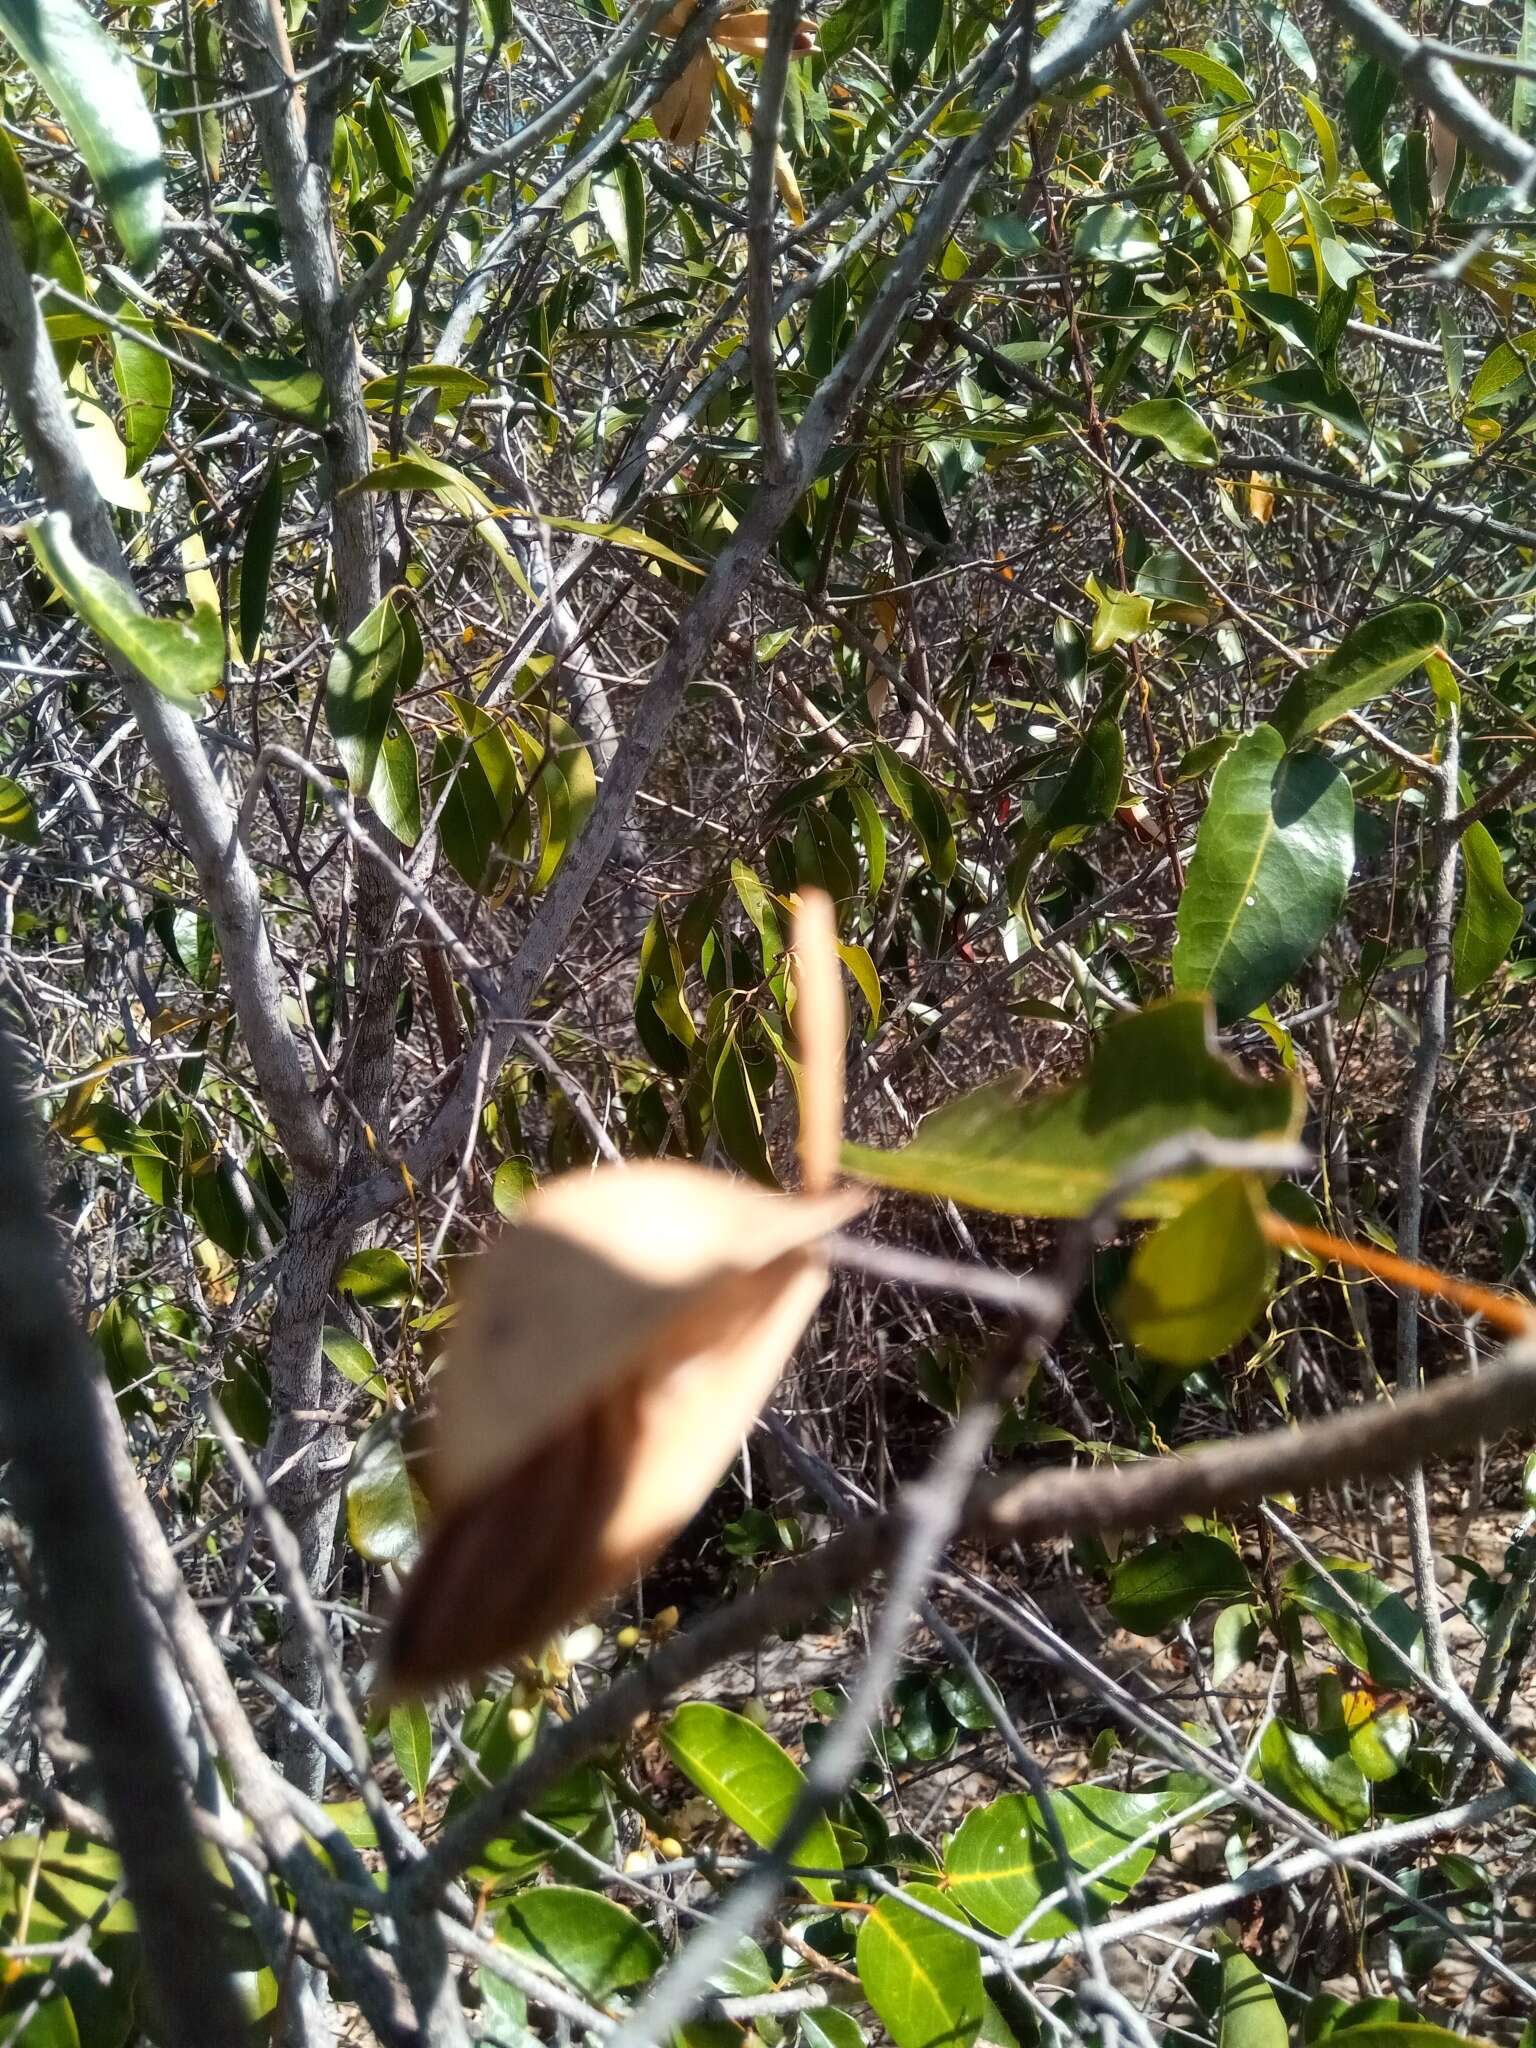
(610, 1353)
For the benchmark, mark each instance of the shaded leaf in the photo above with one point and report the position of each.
(1164, 1584)
(593, 1943)
(386, 1510)
(1489, 917)
(378, 659)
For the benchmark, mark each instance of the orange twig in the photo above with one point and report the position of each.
(1507, 1310)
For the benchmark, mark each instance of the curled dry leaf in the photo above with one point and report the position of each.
(681, 114)
(609, 1355)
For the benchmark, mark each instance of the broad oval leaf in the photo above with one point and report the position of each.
(1197, 1283)
(1156, 1075)
(18, 813)
(1489, 917)
(376, 1276)
(1249, 2016)
(752, 1780)
(1176, 427)
(386, 1510)
(1001, 1862)
(1164, 1584)
(922, 1980)
(1330, 1596)
(1316, 1774)
(91, 80)
(1271, 868)
(1365, 664)
(595, 1944)
(182, 658)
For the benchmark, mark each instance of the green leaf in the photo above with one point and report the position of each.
(1505, 365)
(1210, 71)
(921, 805)
(485, 797)
(18, 813)
(1196, 1285)
(593, 1943)
(410, 1737)
(395, 790)
(386, 1509)
(256, 560)
(1369, 90)
(377, 1277)
(1290, 320)
(1156, 1075)
(1176, 426)
(1489, 918)
(1307, 388)
(1001, 1861)
(1270, 871)
(910, 29)
(182, 658)
(1408, 182)
(1316, 1774)
(1326, 1596)
(738, 1118)
(564, 789)
(353, 1360)
(1522, 113)
(619, 196)
(1116, 234)
(143, 379)
(378, 659)
(1367, 662)
(514, 1181)
(281, 385)
(1234, 1640)
(1164, 1584)
(1380, 1743)
(1289, 39)
(1249, 2016)
(923, 1981)
(752, 1781)
(1120, 616)
(91, 80)
(663, 1019)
